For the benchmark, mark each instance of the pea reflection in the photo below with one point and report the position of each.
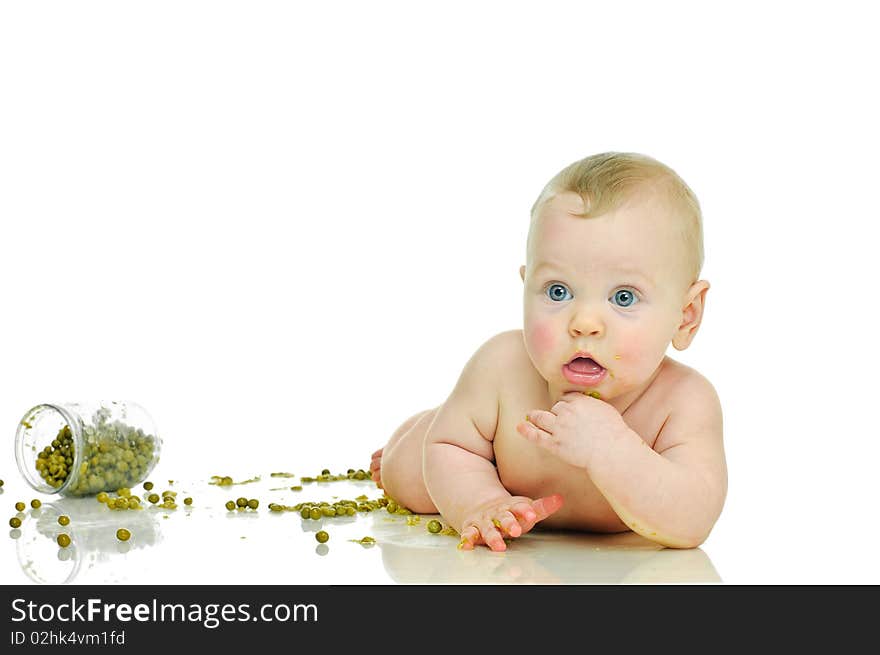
(92, 532)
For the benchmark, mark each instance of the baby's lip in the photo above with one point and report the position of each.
(585, 355)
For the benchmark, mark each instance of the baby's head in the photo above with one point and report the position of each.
(613, 259)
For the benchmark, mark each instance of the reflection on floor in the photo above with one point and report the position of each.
(207, 544)
(542, 558)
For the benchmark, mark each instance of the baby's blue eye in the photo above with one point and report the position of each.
(625, 298)
(558, 292)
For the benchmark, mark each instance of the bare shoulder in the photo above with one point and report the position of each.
(476, 395)
(694, 408)
(499, 353)
(506, 345)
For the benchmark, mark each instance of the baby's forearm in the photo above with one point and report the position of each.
(655, 497)
(459, 480)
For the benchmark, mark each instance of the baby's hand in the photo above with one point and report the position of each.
(513, 516)
(573, 427)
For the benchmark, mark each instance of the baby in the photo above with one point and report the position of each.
(580, 420)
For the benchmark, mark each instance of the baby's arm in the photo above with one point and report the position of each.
(458, 467)
(682, 481)
(671, 494)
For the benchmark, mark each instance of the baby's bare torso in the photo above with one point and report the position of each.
(527, 470)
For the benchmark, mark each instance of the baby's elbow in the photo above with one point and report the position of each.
(681, 542)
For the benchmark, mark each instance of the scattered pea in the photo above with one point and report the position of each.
(35, 503)
(253, 503)
(315, 513)
(1, 483)
(325, 471)
(133, 503)
(434, 526)
(242, 502)
(148, 486)
(153, 498)
(63, 520)
(63, 540)
(19, 506)
(230, 505)
(111, 503)
(322, 537)
(187, 501)
(103, 497)
(123, 535)
(15, 522)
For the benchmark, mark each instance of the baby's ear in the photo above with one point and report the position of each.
(522, 272)
(691, 314)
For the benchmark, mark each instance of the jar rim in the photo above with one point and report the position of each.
(22, 460)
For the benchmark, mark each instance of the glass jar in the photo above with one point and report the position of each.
(80, 449)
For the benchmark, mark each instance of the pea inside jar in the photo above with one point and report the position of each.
(81, 449)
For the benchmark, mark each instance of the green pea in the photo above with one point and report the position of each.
(63, 540)
(322, 537)
(253, 503)
(19, 506)
(187, 501)
(230, 505)
(305, 512)
(132, 503)
(434, 526)
(328, 511)
(148, 486)
(315, 513)
(1, 483)
(242, 502)
(123, 535)
(391, 507)
(103, 497)
(15, 522)
(111, 503)
(63, 520)
(325, 471)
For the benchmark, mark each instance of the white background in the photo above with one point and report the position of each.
(284, 227)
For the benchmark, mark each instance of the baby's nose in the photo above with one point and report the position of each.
(588, 323)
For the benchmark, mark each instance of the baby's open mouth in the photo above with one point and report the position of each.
(584, 371)
(585, 365)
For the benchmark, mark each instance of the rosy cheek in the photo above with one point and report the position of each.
(542, 338)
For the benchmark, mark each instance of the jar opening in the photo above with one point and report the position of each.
(38, 429)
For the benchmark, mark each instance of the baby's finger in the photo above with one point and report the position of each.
(378, 453)
(469, 537)
(533, 433)
(507, 524)
(491, 536)
(525, 514)
(542, 419)
(545, 506)
(510, 525)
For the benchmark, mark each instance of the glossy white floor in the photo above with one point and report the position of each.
(206, 544)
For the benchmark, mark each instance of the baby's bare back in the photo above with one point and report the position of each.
(527, 470)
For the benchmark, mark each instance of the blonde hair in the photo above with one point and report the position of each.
(606, 180)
